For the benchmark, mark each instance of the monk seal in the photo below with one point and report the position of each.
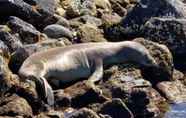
(84, 60)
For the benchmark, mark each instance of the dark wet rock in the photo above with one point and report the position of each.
(146, 9)
(77, 8)
(145, 102)
(47, 5)
(18, 57)
(5, 76)
(14, 105)
(164, 59)
(174, 91)
(171, 32)
(116, 109)
(118, 6)
(12, 41)
(58, 31)
(62, 99)
(83, 113)
(31, 2)
(123, 3)
(90, 33)
(27, 32)
(132, 25)
(124, 81)
(87, 19)
(82, 95)
(32, 14)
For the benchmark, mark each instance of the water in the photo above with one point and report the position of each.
(177, 111)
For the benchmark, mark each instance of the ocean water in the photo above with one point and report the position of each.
(177, 111)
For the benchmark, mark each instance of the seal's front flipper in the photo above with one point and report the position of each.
(97, 72)
(96, 76)
(49, 95)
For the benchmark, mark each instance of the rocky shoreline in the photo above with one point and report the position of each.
(129, 91)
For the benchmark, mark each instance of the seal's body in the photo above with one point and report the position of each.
(82, 61)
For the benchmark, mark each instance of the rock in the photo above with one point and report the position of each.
(125, 80)
(31, 2)
(83, 95)
(60, 11)
(51, 114)
(90, 33)
(63, 21)
(32, 14)
(27, 32)
(116, 109)
(27, 91)
(77, 8)
(163, 58)
(14, 105)
(83, 113)
(18, 57)
(47, 5)
(62, 99)
(110, 19)
(144, 10)
(104, 4)
(5, 77)
(58, 31)
(87, 19)
(132, 25)
(123, 3)
(171, 32)
(145, 102)
(174, 91)
(4, 50)
(177, 75)
(11, 41)
(118, 6)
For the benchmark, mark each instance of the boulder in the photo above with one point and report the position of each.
(58, 31)
(173, 91)
(86, 19)
(132, 25)
(146, 9)
(47, 5)
(83, 95)
(116, 109)
(12, 41)
(26, 31)
(31, 13)
(83, 113)
(14, 105)
(75, 8)
(5, 77)
(90, 33)
(171, 32)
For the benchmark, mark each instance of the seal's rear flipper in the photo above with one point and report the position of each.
(49, 95)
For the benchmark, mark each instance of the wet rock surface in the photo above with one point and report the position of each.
(127, 89)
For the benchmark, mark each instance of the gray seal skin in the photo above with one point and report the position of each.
(77, 61)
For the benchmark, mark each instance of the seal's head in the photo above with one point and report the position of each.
(136, 53)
